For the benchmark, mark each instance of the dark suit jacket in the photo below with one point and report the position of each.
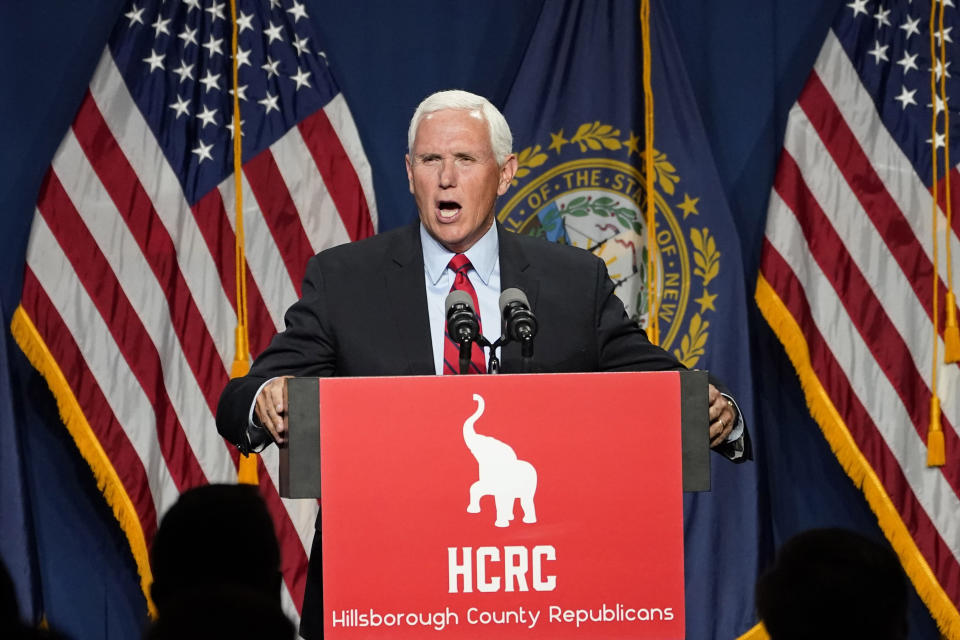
(364, 313)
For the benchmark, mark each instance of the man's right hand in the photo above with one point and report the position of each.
(271, 408)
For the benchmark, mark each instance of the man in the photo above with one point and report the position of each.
(376, 307)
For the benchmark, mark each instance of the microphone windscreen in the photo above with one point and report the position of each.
(456, 297)
(512, 295)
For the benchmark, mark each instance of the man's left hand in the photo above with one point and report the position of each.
(723, 417)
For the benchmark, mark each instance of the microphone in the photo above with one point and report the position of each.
(462, 324)
(519, 323)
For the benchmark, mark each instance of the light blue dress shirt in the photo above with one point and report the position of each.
(484, 276)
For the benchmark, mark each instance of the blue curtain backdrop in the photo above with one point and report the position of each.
(746, 62)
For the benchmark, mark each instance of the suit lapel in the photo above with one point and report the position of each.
(517, 271)
(515, 268)
(403, 277)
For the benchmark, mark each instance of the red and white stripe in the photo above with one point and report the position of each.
(848, 249)
(133, 290)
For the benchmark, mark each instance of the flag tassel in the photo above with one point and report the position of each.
(936, 456)
(951, 333)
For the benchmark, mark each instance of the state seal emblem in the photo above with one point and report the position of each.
(587, 191)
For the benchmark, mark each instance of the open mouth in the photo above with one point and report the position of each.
(448, 208)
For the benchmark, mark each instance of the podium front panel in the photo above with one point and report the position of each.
(545, 506)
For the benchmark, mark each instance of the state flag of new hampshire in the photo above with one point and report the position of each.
(577, 114)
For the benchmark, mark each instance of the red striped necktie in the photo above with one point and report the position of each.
(460, 265)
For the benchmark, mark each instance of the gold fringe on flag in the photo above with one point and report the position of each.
(653, 306)
(37, 352)
(857, 467)
(757, 632)
(247, 471)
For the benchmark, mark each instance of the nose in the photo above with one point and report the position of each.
(448, 173)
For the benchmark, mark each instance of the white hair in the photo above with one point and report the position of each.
(501, 140)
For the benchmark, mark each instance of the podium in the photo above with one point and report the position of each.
(519, 506)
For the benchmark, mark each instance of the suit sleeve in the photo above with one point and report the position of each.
(306, 347)
(624, 346)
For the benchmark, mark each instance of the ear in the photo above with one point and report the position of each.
(406, 161)
(507, 171)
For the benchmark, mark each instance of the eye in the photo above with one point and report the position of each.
(429, 159)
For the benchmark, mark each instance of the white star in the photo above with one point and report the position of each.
(241, 92)
(302, 78)
(213, 46)
(269, 103)
(210, 81)
(945, 34)
(274, 4)
(230, 126)
(135, 15)
(946, 3)
(155, 60)
(244, 22)
(906, 97)
(911, 27)
(216, 11)
(937, 106)
(188, 35)
(940, 69)
(203, 152)
(160, 26)
(941, 140)
(298, 11)
(858, 6)
(323, 55)
(879, 53)
(191, 4)
(185, 71)
(181, 106)
(908, 62)
(300, 45)
(273, 33)
(208, 116)
(271, 67)
(882, 17)
(243, 57)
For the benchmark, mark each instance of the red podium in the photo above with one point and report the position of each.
(514, 506)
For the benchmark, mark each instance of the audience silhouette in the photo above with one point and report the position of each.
(832, 584)
(216, 568)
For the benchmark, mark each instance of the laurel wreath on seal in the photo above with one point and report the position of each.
(707, 259)
(595, 136)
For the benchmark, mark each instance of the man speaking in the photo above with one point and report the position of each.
(376, 307)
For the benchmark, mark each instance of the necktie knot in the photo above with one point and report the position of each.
(460, 263)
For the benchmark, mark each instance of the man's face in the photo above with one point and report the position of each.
(454, 177)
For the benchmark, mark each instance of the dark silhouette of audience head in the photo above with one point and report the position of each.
(833, 583)
(222, 611)
(216, 567)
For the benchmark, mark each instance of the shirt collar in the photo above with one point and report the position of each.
(482, 255)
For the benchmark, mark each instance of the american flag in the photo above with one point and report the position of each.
(847, 272)
(129, 298)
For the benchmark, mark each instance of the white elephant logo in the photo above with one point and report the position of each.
(502, 475)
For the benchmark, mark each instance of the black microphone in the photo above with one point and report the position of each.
(519, 323)
(462, 324)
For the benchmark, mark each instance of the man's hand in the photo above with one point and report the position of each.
(723, 417)
(272, 408)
